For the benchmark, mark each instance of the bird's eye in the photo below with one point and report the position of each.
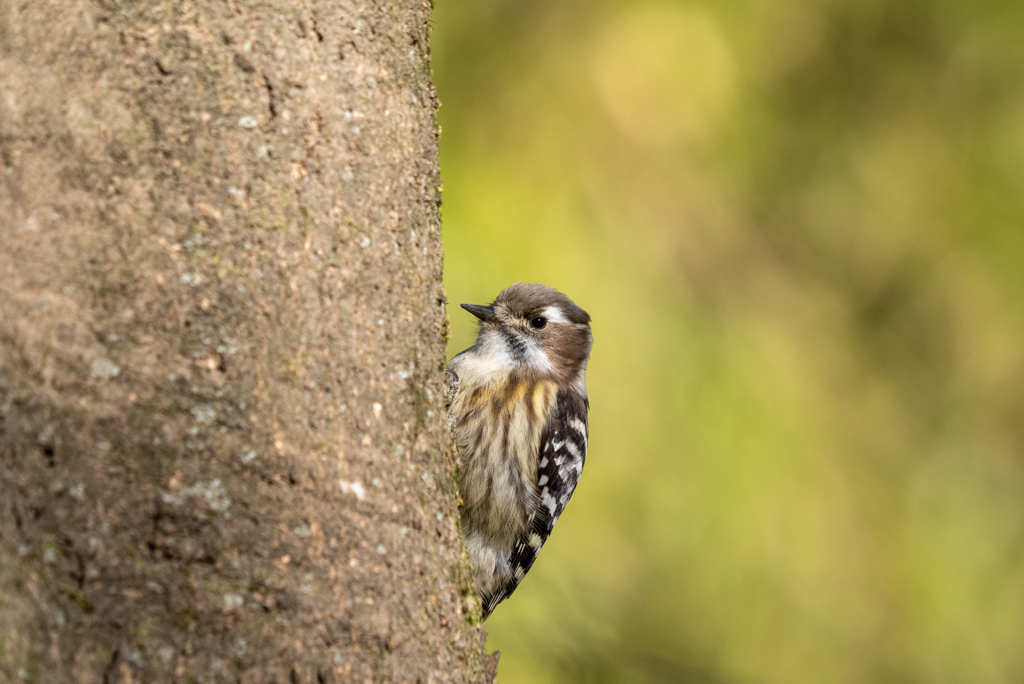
(538, 322)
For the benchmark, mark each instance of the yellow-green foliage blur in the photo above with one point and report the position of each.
(799, 228)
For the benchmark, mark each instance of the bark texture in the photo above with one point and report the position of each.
(222, 454)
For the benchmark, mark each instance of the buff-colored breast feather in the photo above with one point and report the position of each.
(497, 428)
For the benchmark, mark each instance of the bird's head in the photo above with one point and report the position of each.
(536, 329)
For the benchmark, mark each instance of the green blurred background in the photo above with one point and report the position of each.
(799, 228)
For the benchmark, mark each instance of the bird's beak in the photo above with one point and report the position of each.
(484, 313)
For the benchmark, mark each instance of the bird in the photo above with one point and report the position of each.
(517, 409)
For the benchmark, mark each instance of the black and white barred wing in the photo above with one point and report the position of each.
(563, 449)
(562, 452)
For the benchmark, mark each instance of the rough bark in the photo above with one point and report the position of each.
(222, 454)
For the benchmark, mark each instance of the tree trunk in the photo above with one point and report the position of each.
(222, 325)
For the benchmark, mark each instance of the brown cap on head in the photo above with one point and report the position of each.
(522, 299)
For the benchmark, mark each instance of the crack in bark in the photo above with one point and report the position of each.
(270, 95)
(108, 673)
(316, 28)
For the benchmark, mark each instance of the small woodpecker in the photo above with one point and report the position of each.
(517, 408)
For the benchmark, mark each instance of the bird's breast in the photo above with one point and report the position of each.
(498, 422)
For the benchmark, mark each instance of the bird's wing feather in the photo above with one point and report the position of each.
(563, 449)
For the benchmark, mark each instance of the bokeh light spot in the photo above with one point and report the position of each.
(665, 74)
